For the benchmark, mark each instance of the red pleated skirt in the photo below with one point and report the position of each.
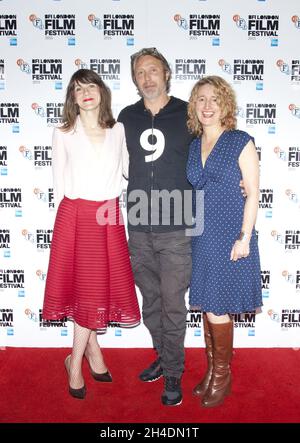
(89, 277)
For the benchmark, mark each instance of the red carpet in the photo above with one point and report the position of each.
(33, 387)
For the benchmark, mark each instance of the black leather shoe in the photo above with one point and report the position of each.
(154, 372)
(104, 377)
(172, 395)
(76, 393)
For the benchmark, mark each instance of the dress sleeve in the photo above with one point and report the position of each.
(241, 138)
(59, 158)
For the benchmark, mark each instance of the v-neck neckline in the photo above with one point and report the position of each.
(82, 130)
(213, 149)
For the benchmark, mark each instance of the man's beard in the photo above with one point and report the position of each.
(152, 94)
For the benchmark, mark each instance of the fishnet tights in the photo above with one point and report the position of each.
(84, 343)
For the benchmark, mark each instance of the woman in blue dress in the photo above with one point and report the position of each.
(226, 266)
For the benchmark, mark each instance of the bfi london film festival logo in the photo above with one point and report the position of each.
(266, 202)
(189, 69)
(265, 276)
(114, 26)
(41, 275)
(41, 238)
(295, 110)
(52, 112)
(80, 64)
(292, 70)
(56, 26)
(5, 242)
(8, 28)
(43, 70)
(10, 115)
(245, 70)
(40, 156)
(11, 198)
(293, 197)
(245, 321)
(194, 321)
(2, 74)
(277, 237)
(259, 26)
(26, 152)
(108, 68)
(294, 156)
(291, 158)
(3, 160)
(45, 197)
(201, 26)
(24, 66)
(49, 324)
(7, 320)
(293, 279)
(296, 21)
(257, 114)
(290, 319)
(280, 153)
(261, 114)
(274, 315)
(13, 279)
(290, 239)
(31, 315)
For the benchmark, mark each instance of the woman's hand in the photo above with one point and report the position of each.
(243, 190)
(239, 250)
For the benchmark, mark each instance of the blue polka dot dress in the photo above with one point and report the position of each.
(219, 285)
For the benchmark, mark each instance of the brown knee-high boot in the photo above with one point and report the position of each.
(202, 386)
(220, 382)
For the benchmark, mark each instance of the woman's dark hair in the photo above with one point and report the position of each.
(71, 109)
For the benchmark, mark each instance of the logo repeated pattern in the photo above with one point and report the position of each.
(251, 45)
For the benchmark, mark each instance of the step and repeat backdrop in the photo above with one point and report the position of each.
(254, 45)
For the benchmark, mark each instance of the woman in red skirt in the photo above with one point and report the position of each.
(89, 277)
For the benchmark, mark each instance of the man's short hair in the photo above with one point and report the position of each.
(154, 53)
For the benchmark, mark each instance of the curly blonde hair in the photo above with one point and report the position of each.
(225, 99)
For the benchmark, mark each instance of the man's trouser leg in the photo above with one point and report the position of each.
(145, 266)
(175, 261)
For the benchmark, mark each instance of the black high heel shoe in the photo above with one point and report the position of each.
(76, 393)
(104, 377)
